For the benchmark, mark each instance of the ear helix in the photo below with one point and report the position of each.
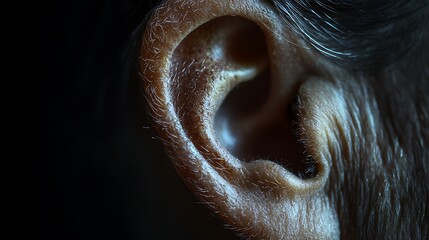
(220, 91)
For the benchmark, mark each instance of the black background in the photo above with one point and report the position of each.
(102, 175)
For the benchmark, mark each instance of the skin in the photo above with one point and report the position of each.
(321, 152)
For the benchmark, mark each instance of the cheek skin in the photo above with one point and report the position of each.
(341, 124)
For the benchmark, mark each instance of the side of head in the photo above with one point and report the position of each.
(278, 137)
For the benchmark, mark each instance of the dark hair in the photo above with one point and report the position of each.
(359, 34)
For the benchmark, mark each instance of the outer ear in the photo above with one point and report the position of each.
(221, 79)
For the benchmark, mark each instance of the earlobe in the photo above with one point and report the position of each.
(219, 78)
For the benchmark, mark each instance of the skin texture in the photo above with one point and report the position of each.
(322, 152)
(361, 105)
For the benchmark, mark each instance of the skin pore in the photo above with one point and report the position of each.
(330, 147)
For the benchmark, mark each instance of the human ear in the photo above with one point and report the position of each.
(224, 81)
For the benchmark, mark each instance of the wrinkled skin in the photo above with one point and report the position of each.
(276, 139)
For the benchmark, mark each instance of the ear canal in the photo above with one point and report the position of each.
(221, 91)
(250, 130)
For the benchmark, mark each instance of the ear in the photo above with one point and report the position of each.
(224, 82)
